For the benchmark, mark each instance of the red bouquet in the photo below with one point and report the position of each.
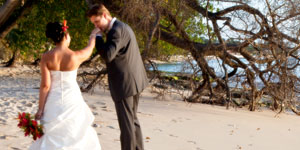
(30, 126)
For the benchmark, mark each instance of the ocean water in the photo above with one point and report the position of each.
(216, 65)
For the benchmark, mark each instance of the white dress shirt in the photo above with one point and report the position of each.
(109, 26)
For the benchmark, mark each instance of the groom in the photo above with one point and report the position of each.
(126, 73)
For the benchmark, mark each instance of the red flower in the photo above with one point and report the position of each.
(34, 137)
(24, 121)
(65, 27)
(34, 123)
(29, 125)
(38, 135)
(23, 114)
(20, 116)
(27, 131)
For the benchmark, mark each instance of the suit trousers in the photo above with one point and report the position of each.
(131, 134)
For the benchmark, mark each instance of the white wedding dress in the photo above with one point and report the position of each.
(67, 119)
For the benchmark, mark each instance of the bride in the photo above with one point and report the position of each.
(65, 116)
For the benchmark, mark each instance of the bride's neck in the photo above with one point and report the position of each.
(62, 45)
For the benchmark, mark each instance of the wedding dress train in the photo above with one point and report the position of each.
(66, 119)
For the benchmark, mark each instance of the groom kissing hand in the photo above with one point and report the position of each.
(126, 73)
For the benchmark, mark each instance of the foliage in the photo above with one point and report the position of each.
(193, 24)
(29, 36)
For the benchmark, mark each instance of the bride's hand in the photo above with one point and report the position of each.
(38, 114)
(94, 33)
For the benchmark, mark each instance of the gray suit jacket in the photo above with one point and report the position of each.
(126, 72)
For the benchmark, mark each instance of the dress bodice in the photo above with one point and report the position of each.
(64, 88)
(63, 79)
(60, 78)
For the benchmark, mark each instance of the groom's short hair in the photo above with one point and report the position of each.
(97, 10)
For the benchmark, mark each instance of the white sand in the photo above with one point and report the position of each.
(166, 124)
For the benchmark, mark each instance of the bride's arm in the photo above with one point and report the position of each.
(86, 52)
(44, 87)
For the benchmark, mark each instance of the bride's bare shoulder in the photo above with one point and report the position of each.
(47, 55)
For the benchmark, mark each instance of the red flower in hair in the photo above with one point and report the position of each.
(65, 27)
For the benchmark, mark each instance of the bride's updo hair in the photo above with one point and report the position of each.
(55, 32)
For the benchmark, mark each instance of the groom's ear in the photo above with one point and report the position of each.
(104, 15)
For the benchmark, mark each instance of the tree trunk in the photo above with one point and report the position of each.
(13, 60)
(275, 104)
(36, 62)
(7, 20)
(7, 9)
(150, 36)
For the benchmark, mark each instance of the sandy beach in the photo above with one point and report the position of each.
(168, 124)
